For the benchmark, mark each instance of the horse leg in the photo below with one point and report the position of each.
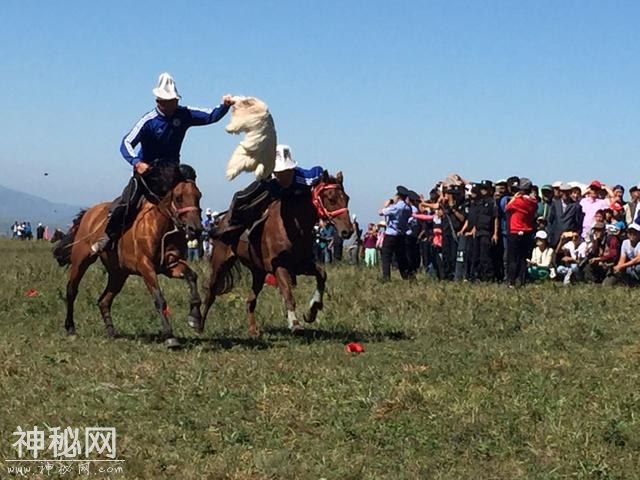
(316, 303)
(220, 255)
(257, 282)
(151, 281)
(184, 271)
(284, 284)
(76, 273)
(114, 285)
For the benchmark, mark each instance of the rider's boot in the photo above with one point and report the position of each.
(100, 246)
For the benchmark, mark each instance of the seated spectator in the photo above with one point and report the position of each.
(627, 270)
(603, 252)
(571, 252)
(541, 258)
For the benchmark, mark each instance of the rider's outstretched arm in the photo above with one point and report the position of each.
(205, 116)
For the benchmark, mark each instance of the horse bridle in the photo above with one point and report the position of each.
(316, 198)
(174, 213)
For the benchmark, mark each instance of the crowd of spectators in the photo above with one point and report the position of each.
(510, 231)
(23, 231)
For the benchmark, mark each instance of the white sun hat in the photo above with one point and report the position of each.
(284, 160)
(541, 235)
(166, 89)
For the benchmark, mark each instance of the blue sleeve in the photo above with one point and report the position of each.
(132, 139)
(308, 177)
(391, 209)
(205, 116)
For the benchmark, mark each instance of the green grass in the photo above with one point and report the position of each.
(457, 381)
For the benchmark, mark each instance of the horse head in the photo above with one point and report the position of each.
(332, 203)
(185, 207)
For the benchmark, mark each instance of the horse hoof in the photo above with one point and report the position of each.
(308, 317)
(111, 333)
(71, 331)
(172, 343)
(296, 328)
(195, 323)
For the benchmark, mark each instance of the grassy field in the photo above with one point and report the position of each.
(457, 381)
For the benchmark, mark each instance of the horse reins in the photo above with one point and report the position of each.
(316, 199)
(175, 212)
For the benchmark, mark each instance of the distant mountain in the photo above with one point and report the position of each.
(21, 206)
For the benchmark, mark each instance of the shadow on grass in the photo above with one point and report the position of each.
(277, 334)
(209, 343)
(339, 335)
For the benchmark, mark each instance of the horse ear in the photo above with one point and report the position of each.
(339, 177)
(325, 176)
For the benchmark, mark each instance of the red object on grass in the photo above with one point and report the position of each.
(32, 292)
(270, 280)
(166, 311)
(354, 347)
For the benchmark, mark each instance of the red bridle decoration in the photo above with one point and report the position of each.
(316, 198)
(180, 211)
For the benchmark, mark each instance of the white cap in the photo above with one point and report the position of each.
(634, 226)
(284, 160)
(556, 184)
(166, 89)
(542, 235)
(208, 211)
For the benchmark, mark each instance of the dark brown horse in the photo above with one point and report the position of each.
(283, 245)
(154, 244)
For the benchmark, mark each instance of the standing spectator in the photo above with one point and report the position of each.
(590, 204)
(631, 208)
(411, 235)
(40, 232)
(370, 252)
(484, 221)
(541, 257)
(193, 248)
(28, 232)
(544, 205)
(452, 221)
(618, 194)
(627, 270)
(565, 215)
(522, 211)
(397, 214)
(326, 238)
(14, 229)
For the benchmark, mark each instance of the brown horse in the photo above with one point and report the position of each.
(155, 244)
(283, 245)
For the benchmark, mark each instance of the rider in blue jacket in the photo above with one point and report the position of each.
(159, 135)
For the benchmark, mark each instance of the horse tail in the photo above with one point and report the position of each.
(228, 275)
(62, 249)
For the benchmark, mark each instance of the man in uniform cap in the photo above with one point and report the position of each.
(397, 214)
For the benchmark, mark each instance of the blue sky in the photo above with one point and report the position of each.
(389, 92)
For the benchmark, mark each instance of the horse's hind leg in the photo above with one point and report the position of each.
(316, 303)
(76, 272)
(284, 284)
(114, 286)
(257, 282)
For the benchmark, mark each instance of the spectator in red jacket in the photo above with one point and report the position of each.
(521, 211)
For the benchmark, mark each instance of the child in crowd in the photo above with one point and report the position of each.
(370, 240)
(540, 261)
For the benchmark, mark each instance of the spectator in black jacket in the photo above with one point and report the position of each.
(565, 216)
